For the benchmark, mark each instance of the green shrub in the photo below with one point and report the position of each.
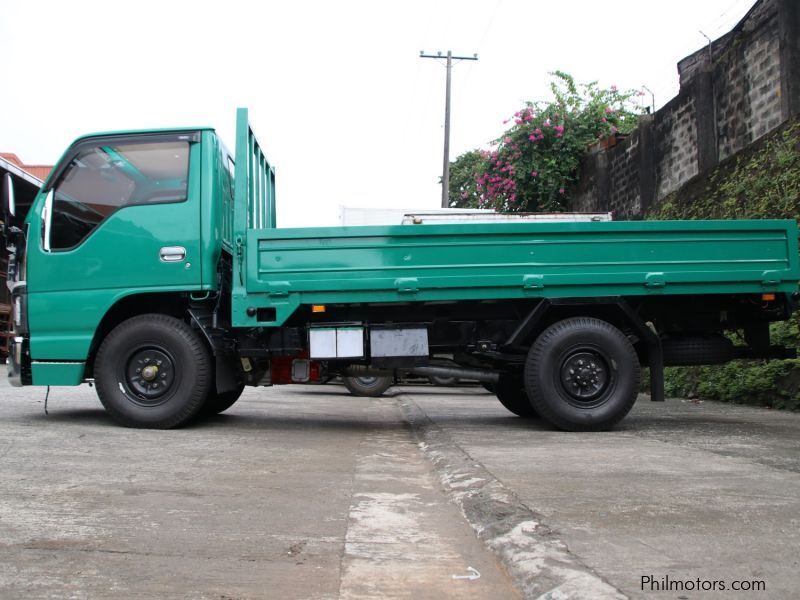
(763, 383)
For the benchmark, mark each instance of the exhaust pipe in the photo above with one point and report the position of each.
(482, 375)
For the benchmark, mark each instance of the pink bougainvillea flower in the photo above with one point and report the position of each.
(560, 190)
(604, 120)
(613, 88)
(534, 173)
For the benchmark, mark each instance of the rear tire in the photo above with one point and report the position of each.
(370, 387)
(511, 393)
(582, 374)
(153, 371)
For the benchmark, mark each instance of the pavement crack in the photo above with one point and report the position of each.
(696, 446)
(4, 451)
(90, 550)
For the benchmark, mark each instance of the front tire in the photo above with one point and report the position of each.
(582, 374)
(153, 371)
(217, 403)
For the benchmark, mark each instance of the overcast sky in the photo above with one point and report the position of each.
(346, 110)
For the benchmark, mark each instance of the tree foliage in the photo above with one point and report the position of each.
(463, 191)
(534, 164)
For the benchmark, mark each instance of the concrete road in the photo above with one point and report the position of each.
(303, 492)
(689, 492)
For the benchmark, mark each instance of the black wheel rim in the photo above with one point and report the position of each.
(585, 377)
(149, 375)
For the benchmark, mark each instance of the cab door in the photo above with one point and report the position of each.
(121, 217)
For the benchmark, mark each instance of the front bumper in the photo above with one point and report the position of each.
(19, 356)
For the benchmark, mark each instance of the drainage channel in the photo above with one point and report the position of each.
(539, 562)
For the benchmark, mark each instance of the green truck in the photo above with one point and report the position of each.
(150, 265)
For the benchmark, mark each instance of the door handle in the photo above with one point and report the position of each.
(172, 253)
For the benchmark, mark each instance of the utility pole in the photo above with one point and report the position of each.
(446, 167)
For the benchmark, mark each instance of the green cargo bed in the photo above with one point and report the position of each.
(286, 268)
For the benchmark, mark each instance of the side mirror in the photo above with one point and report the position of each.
(9, 204)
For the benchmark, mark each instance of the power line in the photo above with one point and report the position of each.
(489, 24)
(734, 10)
(446, 167)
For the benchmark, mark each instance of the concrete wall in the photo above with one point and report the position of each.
(741, 87)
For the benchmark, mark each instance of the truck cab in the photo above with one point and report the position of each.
(126, 219)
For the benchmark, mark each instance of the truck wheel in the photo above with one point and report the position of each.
(153, 371)
(219, 403)
(582, 374)
(511, 393)
(371, 387)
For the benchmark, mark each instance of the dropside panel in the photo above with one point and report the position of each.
(290, 267)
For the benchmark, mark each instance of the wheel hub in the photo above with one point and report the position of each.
(150, 373)
(584, 375)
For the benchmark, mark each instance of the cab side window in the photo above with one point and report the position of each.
(105, 178)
